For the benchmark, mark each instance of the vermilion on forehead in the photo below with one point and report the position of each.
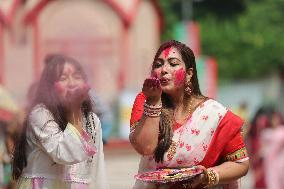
(168, 51)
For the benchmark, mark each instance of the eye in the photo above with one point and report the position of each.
(173, 62)
(157, 64)
(62, 78)
(78, 76)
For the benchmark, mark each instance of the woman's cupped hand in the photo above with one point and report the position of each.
(152, 89)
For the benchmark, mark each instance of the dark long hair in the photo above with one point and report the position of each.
(46, 94)
(166, 121)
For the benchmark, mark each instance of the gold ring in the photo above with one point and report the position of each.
(186, 185)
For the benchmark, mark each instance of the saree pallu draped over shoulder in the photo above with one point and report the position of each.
(209, 137)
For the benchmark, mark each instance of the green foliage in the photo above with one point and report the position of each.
(246, 39)
(170, 18)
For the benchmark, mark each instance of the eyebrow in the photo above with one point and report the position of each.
(170, 58)
(77, 72)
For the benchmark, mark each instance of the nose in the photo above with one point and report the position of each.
(71, 83)
(164, 69)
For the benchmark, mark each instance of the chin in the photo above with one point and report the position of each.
(168, 90)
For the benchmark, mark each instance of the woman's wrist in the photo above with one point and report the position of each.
(152, 110)
(211, 178)
(154, 101)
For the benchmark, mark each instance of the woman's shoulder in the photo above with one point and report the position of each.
(214, 104)
(40, 111)
(39, 108)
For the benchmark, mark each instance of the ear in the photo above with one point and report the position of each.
(189, 74)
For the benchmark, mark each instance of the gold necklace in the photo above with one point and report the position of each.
(187, 116)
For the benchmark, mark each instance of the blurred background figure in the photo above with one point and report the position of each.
(259, 122)
(242, 111)
(9, 132)
(61, 142)
(273, 150)
(9, 127)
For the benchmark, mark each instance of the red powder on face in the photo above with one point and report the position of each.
(166, 52)
(86, 86)
(155, 74)
(179, 77)
(59, 88)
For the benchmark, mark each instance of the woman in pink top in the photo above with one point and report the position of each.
(272, 143)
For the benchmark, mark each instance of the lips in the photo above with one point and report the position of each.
(164, 81)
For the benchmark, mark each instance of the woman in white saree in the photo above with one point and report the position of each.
(174, 126)
(61, 144)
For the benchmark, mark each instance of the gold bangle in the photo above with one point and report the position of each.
(187, 185)
(213, 177)
(152, 111)
(158, 106)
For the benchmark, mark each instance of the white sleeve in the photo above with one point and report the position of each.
(64, 147)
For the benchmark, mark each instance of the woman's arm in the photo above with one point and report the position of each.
(230, 171)
(64, 147)
(144, 137)
(145, 128)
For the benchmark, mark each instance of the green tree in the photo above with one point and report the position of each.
(245, 36)
(170, 18)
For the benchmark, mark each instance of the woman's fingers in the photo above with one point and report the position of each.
(200, 167)
(152, 84)
(152, 89)
(157, 83)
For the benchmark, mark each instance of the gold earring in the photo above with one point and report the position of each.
(188, 88)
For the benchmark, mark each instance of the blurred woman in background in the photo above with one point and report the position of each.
(272, 140)
(259, 122)
(61, 143)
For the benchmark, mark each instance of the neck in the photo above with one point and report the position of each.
(182, 101)
(183, 109)
(74, 116)
(177, 98)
